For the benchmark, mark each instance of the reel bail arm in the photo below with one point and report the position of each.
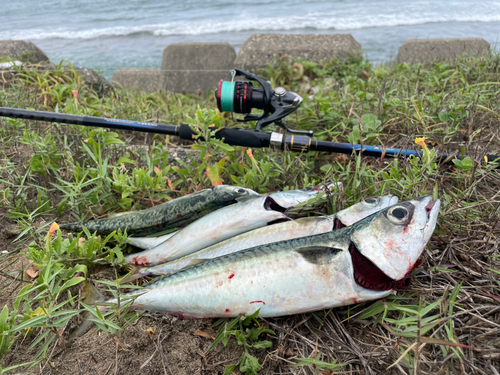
(242, 97)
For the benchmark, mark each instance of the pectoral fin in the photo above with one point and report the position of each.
(247, 198)
(319, 255)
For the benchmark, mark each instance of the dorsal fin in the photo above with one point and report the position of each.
(319, 255)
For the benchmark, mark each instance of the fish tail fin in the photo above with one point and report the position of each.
(137, 242)
(91, 296)
(135, 273)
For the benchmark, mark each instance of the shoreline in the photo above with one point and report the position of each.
(380, 45)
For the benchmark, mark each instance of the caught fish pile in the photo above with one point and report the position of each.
(249, 255)
(223, 224)
(205, 218)
(274, 233)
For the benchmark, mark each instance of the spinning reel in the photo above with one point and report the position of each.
(242, 97)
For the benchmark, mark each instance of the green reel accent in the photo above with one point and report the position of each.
(227, 96)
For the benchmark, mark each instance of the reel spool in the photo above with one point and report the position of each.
(239, 97)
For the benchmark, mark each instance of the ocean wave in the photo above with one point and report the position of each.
(341, 21)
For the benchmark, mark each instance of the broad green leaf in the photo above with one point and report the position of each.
(444, 116)
(256, 332)
(229, 369)
(262, 344)
(250, 364)
(223, 146)
(112, 141)
(37, 165)
(23, 293)
(71, 282)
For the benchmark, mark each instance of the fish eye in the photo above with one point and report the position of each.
(398, 214)
(241, 191)
(371, 201)
(308, 188)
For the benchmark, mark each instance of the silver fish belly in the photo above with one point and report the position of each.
(273, 233)
(279, 279)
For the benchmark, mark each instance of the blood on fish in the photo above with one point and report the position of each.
(258, 302)
(352, 300)
(140, 261)
(231, 276)
(390, 243)
(227, 310)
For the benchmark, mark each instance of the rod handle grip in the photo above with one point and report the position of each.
(234, 137)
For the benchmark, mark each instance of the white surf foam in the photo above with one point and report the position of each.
(368, 16)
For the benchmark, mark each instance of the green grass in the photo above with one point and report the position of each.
(56, 172)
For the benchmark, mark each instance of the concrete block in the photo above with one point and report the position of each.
(448, 49)
(196, 66)
(138, 78)
(261, 49)
(22, 51)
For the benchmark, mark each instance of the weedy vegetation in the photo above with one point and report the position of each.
(446, 322)
(246, 330)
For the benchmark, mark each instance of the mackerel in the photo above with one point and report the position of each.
(221, 225)
(305, 274)
(293, 197)
(274, 233)
(174, 214)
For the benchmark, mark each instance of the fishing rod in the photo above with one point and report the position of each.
(242, 97)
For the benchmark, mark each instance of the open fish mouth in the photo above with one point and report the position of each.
(337, 224)
(429, 208)
(271, 205)
(432, 210)
(369, 276)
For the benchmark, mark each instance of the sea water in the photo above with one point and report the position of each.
(107, 35)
